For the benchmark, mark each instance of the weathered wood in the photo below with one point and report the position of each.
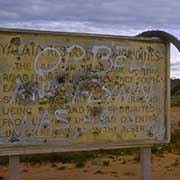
(14, 170)
(145, 159)
(168, 92)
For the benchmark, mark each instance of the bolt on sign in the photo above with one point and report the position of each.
(67, 91)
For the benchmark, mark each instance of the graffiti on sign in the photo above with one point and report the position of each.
(77, 89)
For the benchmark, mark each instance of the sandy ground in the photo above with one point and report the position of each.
(164, 167)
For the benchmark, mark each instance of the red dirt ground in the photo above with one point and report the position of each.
(164, 167)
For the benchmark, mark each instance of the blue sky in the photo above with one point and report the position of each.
(118, 17)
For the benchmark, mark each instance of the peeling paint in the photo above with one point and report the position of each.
(80, 92)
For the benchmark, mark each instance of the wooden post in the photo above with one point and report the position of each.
(14, 170)
(145, 159)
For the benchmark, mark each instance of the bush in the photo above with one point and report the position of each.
(68, 157)
(175, 139)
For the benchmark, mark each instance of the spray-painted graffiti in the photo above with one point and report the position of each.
(96, 91)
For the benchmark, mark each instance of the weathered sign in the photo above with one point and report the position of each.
(65, 91)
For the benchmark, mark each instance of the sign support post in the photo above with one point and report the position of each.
(14, 169)
(145, 159)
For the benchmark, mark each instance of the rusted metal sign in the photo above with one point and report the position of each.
(65, 91)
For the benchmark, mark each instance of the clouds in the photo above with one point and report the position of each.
(175, 70)
(126, 14)
(94, 16)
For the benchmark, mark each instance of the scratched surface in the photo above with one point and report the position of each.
(68, 90)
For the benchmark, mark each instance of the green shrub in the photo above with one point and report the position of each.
(80, 163)
(175, 139)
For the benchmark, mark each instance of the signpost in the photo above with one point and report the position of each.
(70, 92)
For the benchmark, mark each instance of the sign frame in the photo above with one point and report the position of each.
(17, 149)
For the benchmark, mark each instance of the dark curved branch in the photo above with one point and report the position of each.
(162, 35)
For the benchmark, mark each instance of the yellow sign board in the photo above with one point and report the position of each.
(66, 91)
